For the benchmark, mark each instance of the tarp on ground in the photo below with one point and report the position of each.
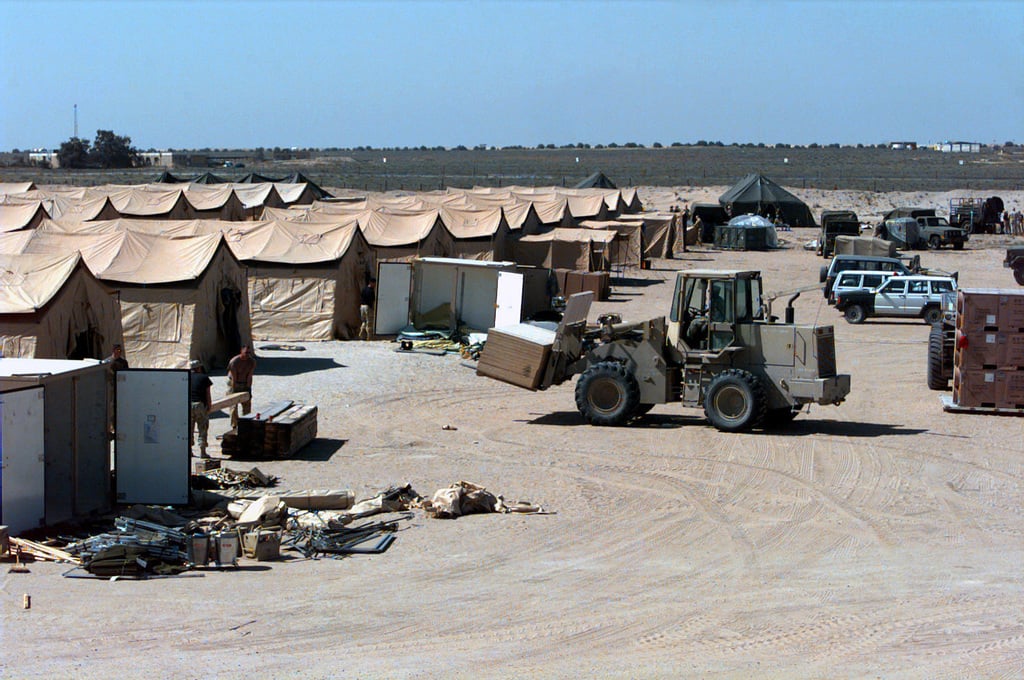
(52, 307)
(598, 180)
(759, 195)
(578, 249)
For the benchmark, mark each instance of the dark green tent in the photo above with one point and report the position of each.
(598, 180)
(759, 195)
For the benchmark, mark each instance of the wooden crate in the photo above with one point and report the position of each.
(277, 431)
(516, 354)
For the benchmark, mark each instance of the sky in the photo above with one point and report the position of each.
(248, 74)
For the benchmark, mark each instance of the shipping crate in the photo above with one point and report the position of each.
(975, 387)
(205, 465)
(1010, 384)
(278, 431)
(560, 277)
(990, 308)
(989, 349)
(516, 354)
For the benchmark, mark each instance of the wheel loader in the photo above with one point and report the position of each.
(720, 349)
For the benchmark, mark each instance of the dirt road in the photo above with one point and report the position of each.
(882, 537)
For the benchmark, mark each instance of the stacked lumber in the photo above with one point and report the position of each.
(43, 552)
(988, 359)
(277, 432)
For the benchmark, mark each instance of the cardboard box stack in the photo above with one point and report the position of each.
(578, 281)
(516, 354)
(988, 359)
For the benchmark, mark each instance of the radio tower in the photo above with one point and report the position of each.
(76, 121)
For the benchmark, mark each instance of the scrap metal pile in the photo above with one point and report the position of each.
(150, 541)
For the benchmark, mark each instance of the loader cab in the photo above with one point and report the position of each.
(707, 305)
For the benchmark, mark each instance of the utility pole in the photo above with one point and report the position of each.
(76, 121)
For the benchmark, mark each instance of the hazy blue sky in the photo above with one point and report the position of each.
(245, 74)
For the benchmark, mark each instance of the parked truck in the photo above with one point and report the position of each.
(1015, 261)
(720, 349)
(836, 223)
(976, 215)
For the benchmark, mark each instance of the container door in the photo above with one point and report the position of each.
(151, 449)
(391, 310)
(509, 304)
(22, 475)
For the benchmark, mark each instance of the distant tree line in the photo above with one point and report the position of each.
(106, 151)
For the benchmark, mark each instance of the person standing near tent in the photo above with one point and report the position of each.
(240, 372)
(367, 297)
(114, 363)
(200, 401)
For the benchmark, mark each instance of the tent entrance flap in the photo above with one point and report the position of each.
(391, 309)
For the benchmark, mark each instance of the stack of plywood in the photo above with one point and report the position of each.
(278, 432)
(988, 360)
(516, 354)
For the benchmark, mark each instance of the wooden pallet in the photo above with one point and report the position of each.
(276, 431)
(950, 406)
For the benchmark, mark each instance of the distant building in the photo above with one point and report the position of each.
(959, 147)
(43, 157)
(899, 146)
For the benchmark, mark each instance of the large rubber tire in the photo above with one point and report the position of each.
(1018, 274)
(735, 401)
(932, 315)
(855, 314)
(936, 381)
(823, 274)
(607, 394)
(777, 418)
(934, 242)
(642, 410)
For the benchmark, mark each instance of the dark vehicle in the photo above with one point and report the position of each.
(842, 263)
(896, 213)
(710, 214)
(900, 296)
(836, 223)
(1015, 261)
(976, 215)
(941, 341)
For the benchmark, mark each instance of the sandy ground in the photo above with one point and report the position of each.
(883, 537)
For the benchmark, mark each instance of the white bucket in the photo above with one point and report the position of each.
(227, 549)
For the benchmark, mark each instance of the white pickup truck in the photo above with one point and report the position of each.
(900, 296)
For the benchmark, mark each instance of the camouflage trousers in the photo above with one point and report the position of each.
(200, 421)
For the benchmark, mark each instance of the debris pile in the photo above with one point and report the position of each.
(152, 542)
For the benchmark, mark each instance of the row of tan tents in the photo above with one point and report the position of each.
(172, 290)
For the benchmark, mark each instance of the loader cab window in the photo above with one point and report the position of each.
(722, 316)
(748, 300)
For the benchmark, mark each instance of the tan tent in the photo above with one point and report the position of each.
(52, 307)
(181, 298)
(627, 248)
(215, 201)
(304, 279)
(14, 217)
(14, 188)
(400, 236)
(659, 232)
(578, 249)
(477, 233)
(148, 203)
(256, 197)
(296, 194)
(632, 200)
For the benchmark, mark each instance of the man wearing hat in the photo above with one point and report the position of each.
(199, 385)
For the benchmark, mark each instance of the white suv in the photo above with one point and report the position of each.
(900, 296)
